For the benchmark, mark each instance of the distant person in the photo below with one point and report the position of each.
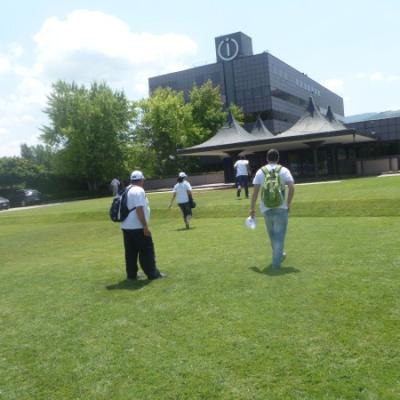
(183, 193)
(242, 172)
(272, 179)
(137, 236)
(114, 185)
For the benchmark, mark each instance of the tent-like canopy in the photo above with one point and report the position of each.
(260, 131)
(312, 130)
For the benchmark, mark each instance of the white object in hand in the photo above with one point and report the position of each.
(250, 223)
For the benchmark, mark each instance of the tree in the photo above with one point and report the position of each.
(42, 156)
(237, 112)
(90, 129)
(207, 110)
(15, 171)
(165, 123)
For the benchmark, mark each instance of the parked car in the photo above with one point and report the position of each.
(4, 203)
(26, 197)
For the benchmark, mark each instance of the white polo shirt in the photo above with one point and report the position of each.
(241, 167)
(286, 179)
(181, 189)
(136, 197)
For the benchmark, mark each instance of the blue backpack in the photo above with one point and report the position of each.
(119, 210)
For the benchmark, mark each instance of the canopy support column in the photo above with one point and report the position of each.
(314, 146)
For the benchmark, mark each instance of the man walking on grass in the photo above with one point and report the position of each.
(272, 180)
(137, 236)
(242, 176)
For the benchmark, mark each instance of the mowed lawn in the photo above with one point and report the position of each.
(222, 325)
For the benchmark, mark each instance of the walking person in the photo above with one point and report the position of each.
(138, 242)
(242, 176)
(114, 186)
(272, 180)
(183, 193)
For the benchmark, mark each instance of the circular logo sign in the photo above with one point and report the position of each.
(228, 49)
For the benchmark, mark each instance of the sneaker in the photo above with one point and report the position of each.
(159, 276)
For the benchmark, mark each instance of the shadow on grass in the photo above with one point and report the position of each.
(275, 271)
(129, 285)
(184, 229)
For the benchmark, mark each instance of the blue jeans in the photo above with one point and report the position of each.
(276, 221)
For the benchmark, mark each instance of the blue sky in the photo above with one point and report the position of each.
(349, 46)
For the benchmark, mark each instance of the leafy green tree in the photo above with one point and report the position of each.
(16, 171)
(207, 110)
(237, 112)
(42, 156)
(89, 129)
(164, 124)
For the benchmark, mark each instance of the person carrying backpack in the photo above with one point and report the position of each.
(138, 241)
(271, 180)
(183, 193)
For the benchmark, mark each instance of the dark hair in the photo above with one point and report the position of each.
(273, 155)
(180, 179)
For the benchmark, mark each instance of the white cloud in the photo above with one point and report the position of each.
(16, 50)
(5, 64)
(3, 131)
(84, 46)
(376, 76)
(91, 45)
(336, 85)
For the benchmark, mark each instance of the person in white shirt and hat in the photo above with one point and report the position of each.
(138, 241)
(183, 193)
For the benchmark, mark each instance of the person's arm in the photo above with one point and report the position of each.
(142, 219)
(290, 194)
(172, 200)
(253, 202)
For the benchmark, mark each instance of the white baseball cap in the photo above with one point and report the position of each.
(182, 175)
(137, 175)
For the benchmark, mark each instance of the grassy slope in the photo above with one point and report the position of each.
(222, 326)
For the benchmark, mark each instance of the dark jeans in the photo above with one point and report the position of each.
(242, 181)
(137, 244)
(186, 209)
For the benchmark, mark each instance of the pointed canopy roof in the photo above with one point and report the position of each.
(260, 130)
(312, 129)
(230, 134)
(313, 122)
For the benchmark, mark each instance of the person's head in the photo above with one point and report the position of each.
(181, 177)
(137, 178)
(273, 156)
(242, 157)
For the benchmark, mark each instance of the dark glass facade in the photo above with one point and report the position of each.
(260, 84)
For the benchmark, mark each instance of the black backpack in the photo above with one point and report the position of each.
(119, 210)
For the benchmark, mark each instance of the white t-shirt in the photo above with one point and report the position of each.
(181, 192)
(241, 167)
(286, 178)
(136, 197)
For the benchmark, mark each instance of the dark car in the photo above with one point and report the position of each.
(26, 197)
(4, 203)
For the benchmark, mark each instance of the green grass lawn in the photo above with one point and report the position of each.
(222, 325)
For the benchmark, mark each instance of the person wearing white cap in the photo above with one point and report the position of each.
(138, 241)
(183, 193)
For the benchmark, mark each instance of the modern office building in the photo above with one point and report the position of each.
(261, 84)
(275, 96)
